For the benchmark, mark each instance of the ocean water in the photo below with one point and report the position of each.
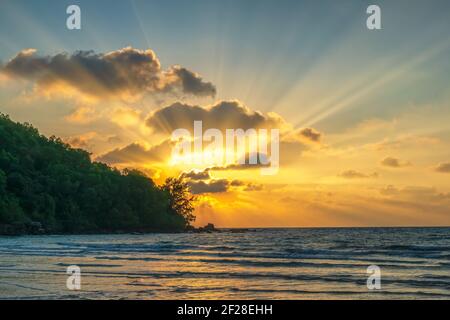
(256, 264)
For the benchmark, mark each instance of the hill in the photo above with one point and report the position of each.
(48, 187)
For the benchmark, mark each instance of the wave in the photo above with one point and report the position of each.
(264, 263)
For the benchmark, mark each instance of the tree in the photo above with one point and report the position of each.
(46, 182)
(180, 198)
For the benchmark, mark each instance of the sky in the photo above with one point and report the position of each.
(363, 114)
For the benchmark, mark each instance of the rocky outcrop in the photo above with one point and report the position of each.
(209, 228)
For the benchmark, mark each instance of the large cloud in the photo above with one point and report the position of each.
(124, 71)
(231, 115)
(223, 115)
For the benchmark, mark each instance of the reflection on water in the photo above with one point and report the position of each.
(257, 264)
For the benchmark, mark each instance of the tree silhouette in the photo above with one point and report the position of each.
(180, 198)
(46, 184)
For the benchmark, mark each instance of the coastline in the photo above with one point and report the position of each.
(35, 229)
(192, 229)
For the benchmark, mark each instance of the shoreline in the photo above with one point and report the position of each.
(38, 230)
(200, 230)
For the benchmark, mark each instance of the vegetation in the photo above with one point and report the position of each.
(180, 198)
(48, 187)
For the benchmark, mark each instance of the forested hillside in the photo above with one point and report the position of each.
(48, 187)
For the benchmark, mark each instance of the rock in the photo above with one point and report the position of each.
(209, 228)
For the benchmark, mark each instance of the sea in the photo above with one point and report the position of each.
(282, 263)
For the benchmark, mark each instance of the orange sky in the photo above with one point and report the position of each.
(363, 121)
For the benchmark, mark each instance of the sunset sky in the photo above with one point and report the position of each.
(364, 115)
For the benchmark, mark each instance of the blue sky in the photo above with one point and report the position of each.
(261, 52)
(253, 50)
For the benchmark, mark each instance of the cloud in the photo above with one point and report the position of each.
(389, 190)
(247, 186)
(237, 183)
(443, 167)
(214, 186)
(82, 115)
(234, 115)
(419, 193)
(126, 71)
(114, 139)
(310, 134)
(394, 162)
(82, 141)
(223, 115)
(191, 82)
(244, 163)
(201, 182)
(303, 135)
(353, 174)
(294, 142)
(136, 153)
(197, 175)
(126, 117)
(221, 185)
(253, 187)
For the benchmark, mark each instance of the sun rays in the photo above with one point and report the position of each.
(344, 99)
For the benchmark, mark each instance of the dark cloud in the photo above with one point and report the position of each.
(192, 83)
(237, 183)
(310, 134)
(136, 153)
(201, 182)
(443, 167)
(253, 187)
(213, 186)
(197, 175)
(221, 185)
(353, 174)
(262, 160)
(394, 162)
(223, 115)
(128, 70)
